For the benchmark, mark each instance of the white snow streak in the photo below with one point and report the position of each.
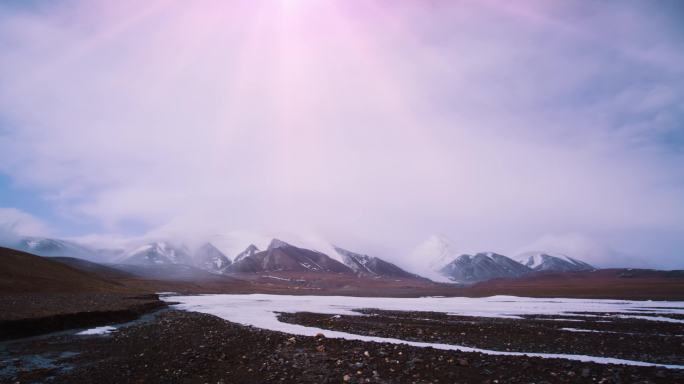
(261, 311)
(97, 331)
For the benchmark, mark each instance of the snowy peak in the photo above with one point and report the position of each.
(159, 253)
(364, 265)
(541, 261)
(52, 247)
(436, 252)
(283, 257)
(357, 262)
(277, 243)
(206, 257)
(481, 267)
(249, 251)
(209, 258)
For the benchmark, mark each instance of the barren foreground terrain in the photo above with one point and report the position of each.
(186, 347)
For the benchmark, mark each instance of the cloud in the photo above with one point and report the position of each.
(14, 222)
(584, 248)
(372, 124)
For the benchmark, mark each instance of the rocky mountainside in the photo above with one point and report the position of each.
(481, 267)
(207, 257)
(540, 261)
(281, 256)
(370, 266)
(210, 258)
(159, 252)
(44, 246)
(249, 251)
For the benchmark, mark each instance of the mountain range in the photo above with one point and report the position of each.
(481, 267)
(437, 256)
(56, 247)
(440, 256)
(281, 256)
(371, 266)
(540, 261)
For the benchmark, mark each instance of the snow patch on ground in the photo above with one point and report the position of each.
(652, 318)
(584, 330)
(261, 311)
(97, 331)
(277, 278)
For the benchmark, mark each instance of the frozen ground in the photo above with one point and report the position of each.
(261, 311)
(97, 331)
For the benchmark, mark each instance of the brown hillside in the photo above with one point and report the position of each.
(24, 272)
(635, 284)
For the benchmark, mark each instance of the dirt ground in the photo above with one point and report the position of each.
(185, 347)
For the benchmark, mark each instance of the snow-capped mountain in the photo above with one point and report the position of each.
(483, 266)
(436, 252)
(277, 243)
(249, 251)
(159, 252)
(436, 259)
(281, 256)
(541, 261)
(53, 247)
(370, 266)
(210, 258)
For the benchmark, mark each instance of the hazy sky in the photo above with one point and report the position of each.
(505, 126)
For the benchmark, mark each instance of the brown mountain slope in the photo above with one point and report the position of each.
(99, 270)
(635, 284)
(281, 256)
(24, 272)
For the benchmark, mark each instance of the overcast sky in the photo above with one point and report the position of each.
(371, 124)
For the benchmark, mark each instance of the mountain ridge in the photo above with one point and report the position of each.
(281, 256)
(543, 261)
(483, 266)
(436, 258)
(364, 265)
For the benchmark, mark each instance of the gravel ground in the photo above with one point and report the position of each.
(185, 347)
(18, 306)
(31, 314)
(631, 339)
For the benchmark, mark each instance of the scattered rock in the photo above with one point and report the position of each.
(197, 348)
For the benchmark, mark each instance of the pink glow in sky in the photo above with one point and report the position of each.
(371, 123)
